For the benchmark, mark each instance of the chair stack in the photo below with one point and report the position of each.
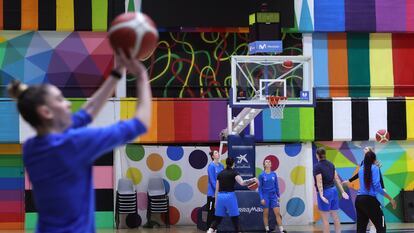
(126, 214)
(158, 201)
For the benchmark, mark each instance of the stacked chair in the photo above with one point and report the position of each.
(158, 201)
(126, 211)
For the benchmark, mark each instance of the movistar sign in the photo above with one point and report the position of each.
(264, 46)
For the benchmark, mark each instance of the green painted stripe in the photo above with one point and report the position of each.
(307, 124)
(77, 103)
(290, 125)
(99, 15)
(3, 47)
(104, 219)
(11, 172)
(131, 6)
(11, 161)
(30, 221)
(358, 64)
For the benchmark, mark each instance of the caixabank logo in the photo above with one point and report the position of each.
(242, 161)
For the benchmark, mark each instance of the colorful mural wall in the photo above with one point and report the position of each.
(396, 159)
(184, 170)
(363, 65)
(76, 62)
(188, 65)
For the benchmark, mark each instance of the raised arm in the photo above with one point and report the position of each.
(94, 105)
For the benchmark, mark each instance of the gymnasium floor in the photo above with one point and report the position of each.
(346, 228)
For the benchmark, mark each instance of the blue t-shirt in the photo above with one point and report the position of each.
(213, 170)
(375, 186)
(60, 169)
(268, 183)
(327, 170)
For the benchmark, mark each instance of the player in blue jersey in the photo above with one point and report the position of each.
(226, 200)
(325, 176)
(366, 204)
(59, 158)
(269, 195)
(214, 168)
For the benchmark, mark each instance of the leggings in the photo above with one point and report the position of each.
(234, 219)
(210, 209)
(368, 207)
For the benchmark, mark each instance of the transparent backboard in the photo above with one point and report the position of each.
(256, 77)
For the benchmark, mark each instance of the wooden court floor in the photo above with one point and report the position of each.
(346, 228)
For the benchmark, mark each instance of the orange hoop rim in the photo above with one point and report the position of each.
(274, 100)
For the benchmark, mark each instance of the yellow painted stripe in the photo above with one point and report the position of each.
(124, 108)
(381, 66)
(65, 19)
(409, 103)
(10, 149)
(151, 136)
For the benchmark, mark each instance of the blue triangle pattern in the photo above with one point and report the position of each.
(21, 43)
(41, 60)
(305, 23)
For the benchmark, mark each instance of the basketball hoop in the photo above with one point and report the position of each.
(276, 105)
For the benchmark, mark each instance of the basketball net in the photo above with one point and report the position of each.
(276, 105)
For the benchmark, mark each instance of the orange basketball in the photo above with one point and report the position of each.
(253, 186)
(382, 136)
(136, 32)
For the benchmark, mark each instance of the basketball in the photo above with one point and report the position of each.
(135, 32)
(253, 186)
(382, 136)
(288, 64)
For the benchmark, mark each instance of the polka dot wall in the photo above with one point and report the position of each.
(293, 166)
(184, 170)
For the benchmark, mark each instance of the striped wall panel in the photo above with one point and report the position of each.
(11, 187)
(104, 200)
(363, 65)
(362, 16)
(201, 121)
(358, 119)
(59, 15)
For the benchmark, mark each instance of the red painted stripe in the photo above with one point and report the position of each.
(200, 121)
(402, 51)
(11, 206)
(410, 16)
(12, 217)
(182, 121)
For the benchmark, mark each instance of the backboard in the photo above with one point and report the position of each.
(256, 77)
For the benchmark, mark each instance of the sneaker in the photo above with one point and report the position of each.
(210, 230)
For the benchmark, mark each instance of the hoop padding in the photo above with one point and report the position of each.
(277, 106)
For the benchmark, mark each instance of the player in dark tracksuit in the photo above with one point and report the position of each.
(366, 204)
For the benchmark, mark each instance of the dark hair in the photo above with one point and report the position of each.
(229, 162)
(211, 153)
(369, 159)
(321, 152)
(28, 99)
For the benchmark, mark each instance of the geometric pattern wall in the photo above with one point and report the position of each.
(184, 171)
(76, 62)
(397, 170)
